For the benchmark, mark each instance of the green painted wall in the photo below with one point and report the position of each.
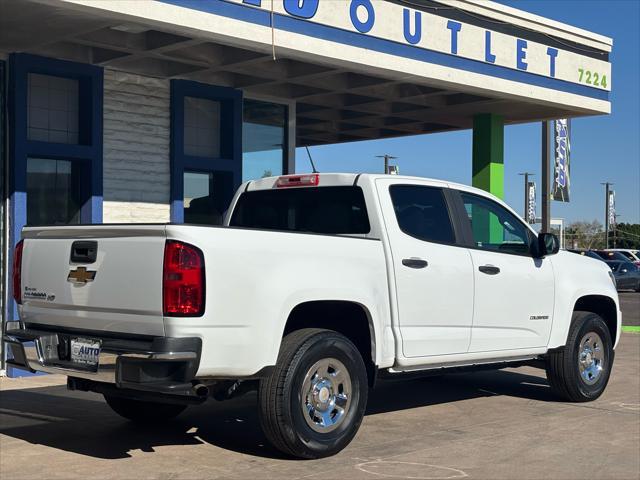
(488, 171)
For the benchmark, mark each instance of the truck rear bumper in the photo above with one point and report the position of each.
(163, 365)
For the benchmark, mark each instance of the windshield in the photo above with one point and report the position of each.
(629, 255)
(329, 210)
(608, 255)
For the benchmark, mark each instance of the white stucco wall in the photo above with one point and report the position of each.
(136, 148)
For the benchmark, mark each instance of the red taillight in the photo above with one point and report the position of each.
(17, 272)
(310, 180)
(183, 293)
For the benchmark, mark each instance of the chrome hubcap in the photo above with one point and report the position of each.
(591, 358)
(326, 395)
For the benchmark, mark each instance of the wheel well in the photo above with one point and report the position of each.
(603, 306)
(348, 318)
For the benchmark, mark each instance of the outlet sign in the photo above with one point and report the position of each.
(403, 25)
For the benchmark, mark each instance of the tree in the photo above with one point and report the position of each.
(583, 234)
(627, 235)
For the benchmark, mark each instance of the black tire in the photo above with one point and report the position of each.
(143, 412)
(563, 365)
(281, 397)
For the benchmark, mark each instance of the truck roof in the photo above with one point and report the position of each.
(343, 179)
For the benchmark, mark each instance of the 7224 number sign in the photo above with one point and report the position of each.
(592, 78)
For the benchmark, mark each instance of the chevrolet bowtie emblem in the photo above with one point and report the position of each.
(81, 275)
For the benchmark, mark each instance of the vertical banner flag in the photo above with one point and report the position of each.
(531, 202)
(611, 203)
(561, 178)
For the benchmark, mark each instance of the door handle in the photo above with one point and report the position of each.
(414, 262)
(489, 269)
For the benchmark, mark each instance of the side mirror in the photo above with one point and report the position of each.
(548, 244)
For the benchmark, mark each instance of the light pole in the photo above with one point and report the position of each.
(386, 157)
(526, 193)
(606, 213)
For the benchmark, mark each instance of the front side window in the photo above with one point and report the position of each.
(329, 210)
(422, 213)
(494, 227)
(53, 192)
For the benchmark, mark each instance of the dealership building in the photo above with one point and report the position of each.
(139, 111)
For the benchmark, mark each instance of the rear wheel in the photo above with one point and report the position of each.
(313, 403)
(580, 371)
(143, 412)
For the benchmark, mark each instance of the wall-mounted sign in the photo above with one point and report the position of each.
(611, 208)
(400, 26)
(561, 171)
(531, 202)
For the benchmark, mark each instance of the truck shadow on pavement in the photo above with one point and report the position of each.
(82, 423)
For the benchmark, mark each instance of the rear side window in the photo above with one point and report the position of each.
(422, 213)
(328, 210)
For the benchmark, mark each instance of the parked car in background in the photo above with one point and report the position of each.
(632, 255)
(586, 253)
(611, 255)
(627, 275)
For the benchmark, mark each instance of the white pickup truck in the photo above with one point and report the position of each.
(315, 285)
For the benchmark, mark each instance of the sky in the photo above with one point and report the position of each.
(604, 148)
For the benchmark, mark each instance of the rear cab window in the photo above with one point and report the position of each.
(335, 210)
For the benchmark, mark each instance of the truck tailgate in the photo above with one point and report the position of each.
(120, 291)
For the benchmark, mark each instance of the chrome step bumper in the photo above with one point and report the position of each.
(159, 364)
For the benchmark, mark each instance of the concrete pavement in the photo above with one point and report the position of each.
(630, 305)
(501, 424)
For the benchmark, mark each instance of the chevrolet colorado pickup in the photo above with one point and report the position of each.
(314, 286)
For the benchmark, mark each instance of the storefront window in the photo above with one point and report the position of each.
(264, 140)
(201, 127)
(205, 196)
(52, 114)
(53, 192)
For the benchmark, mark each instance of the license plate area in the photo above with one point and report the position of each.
(85, 352)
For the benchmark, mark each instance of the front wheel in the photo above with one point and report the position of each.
(143, 412)
(580, 371)
(313, 403)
